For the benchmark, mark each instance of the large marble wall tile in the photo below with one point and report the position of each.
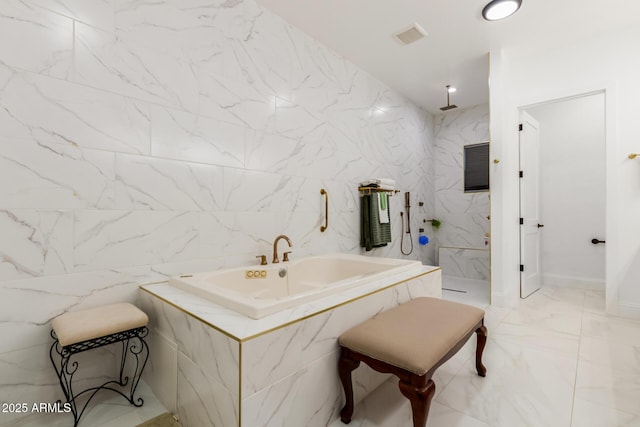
(174, 26)
(46, 39)
(54, 177)
(98, 13)
(295, 121)
(267, 56)
(184, 136)
(213, 352)
(202, 29)
(271, 153)
(51, 296)
(107, 62)
(158, 184)
(28, 376)
(247, 190)
(54, 111)
(161, 372)
(105, 239)
(466, 263)
(270, 358)
(244, 234)
(228, 99)
(35, 243)
(308, 397)
(201, 400)
(320, 333)
(322, 149)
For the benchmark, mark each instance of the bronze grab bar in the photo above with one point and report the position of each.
(326, 210)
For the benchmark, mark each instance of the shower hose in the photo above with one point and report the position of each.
(403, 233)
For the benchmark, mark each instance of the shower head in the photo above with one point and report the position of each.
(449, 105)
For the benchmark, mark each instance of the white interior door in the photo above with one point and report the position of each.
(530, 225)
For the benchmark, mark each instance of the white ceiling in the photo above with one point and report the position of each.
(456, 49)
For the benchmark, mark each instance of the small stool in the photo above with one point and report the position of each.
(411, 341)
(79, 331)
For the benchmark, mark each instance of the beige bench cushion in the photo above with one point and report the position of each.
(413, 336)
(78, 326)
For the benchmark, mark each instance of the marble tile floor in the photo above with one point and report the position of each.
(555, 359)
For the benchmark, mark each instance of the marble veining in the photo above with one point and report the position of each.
(464, 216)
(48, 37)
(35, 243)
(141, 140)
(53, 111)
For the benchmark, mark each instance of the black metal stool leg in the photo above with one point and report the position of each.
(132, 343)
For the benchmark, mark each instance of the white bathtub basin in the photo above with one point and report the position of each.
(302, 281)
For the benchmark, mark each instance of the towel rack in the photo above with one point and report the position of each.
(365, 191)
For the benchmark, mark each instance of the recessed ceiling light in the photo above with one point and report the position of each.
(500, 9)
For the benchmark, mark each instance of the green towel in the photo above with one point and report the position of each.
(372, 233)
(365, 229)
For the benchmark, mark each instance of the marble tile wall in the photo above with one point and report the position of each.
(145, 139)
(463, 215)
(466, 263)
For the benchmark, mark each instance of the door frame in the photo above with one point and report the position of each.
(611, 196)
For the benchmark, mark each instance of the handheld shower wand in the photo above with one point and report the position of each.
(407, 207)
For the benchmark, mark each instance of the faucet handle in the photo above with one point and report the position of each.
(263, 259)
(285, 258)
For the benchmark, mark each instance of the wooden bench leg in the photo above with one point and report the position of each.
(420, 398)
(481, 333)
(346, 365)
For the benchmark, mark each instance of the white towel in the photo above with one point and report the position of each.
(369, 183)
(386, 181)
(383, 208)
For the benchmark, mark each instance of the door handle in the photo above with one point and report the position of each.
(596, 241)
(540, 225)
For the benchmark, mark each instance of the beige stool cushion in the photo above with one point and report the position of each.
(413, 336)
(78, 326)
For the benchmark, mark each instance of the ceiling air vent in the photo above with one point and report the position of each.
(411, 34)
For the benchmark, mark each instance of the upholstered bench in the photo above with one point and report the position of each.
(79, 331)
(411, 341)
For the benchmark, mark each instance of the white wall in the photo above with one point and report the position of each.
(463, 215)
(524, 78)
(145, 139)
(572, 190)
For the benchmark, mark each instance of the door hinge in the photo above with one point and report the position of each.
(521, 267)
(521, 221)
(520, 127)
(520, 174)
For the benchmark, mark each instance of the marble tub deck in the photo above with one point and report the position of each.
(241, 328)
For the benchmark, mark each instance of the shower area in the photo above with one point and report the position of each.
(462, 210)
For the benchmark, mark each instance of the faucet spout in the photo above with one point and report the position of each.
(275, 247)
